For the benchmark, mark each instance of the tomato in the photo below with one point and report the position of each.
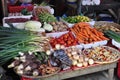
(69, 42)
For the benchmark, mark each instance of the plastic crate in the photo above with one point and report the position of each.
(17, 9)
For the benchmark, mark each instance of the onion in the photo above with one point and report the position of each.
(57, 46)
(85, 63)
(74, 62)
(48, 52)
(74, 53)
(86, 58)
(91, 61)
(76, 57)
(81, 59)
(79, 65)
(62, 47)
(69, 54)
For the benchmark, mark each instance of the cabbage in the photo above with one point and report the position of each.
(47, 27)
(33, 25)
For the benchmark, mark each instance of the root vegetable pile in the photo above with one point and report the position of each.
(86, 34)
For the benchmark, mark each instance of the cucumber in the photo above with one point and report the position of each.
(113, 35)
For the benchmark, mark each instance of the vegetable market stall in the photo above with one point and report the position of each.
(43, 48)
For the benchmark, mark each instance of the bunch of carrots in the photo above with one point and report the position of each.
(87, 34)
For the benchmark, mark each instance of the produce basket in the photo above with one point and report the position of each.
(105, 23)
(39, 77)
(15, 20)
(112, 55)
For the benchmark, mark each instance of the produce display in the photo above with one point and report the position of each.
(59, 26)
(86, 34)
(33, 65)
(78, 58)
(104, 25)
(46, 17)
(66, 39)
(44, 46)
(40, 9)
(15, 40)
(76, 19)
(16, 20)
(103, 28)
(103, 54)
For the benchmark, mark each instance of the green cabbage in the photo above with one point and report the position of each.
(33, 25)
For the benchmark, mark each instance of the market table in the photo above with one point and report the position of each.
(83, 71)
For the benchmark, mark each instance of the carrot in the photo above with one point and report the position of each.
(95, 32)
(80, 39)
(86, 34)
